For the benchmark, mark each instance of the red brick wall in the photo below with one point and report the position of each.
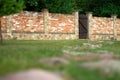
(3, 23)
(43, 23)
(103, 28)
(118, 26)
(34, 22)
(25, 22)
(102, 25)
(61, 23)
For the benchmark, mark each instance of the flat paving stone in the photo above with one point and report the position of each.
(34, 74)
(107, 66)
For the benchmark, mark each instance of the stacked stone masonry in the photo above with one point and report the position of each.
(39, 26)
(61, 23)
(48, 26)
(103, 28)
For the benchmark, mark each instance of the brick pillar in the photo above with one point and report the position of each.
(114, 26)
(46, 20)
(9, 28)
(1, 37)
(89, 24)
(76, 19)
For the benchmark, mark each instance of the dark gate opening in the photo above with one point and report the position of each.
(83, 29)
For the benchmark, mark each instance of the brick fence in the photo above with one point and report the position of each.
(40, 26)
(103, 28)
(51, 26)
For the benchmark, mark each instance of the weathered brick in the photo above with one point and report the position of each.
(32, 25)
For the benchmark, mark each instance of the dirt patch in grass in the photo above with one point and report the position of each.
(53, 61)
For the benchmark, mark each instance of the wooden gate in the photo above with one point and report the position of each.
(83, 29)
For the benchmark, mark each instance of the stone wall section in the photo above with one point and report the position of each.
(39, 26)
(3, 23)
(102, 25)
(101, 28)
(40, 36)
(118, 26)
(104, 28)
(27, 22)
(51, 26)
(61, 23)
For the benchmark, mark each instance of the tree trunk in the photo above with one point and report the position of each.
(1, 38)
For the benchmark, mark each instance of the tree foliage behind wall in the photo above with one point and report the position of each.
(55, 6)
(8, 7)
(99, 7)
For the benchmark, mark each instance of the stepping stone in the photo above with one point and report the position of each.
(32, 75)
(96, 56)
(107, 66)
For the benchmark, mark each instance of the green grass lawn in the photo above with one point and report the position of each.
(22, 55)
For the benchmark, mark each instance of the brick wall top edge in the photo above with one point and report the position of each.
(118, 19)
(102, 17)
(61, 14)
(32, 13)
(28, 13)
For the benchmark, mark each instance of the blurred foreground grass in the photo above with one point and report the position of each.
(22, 55)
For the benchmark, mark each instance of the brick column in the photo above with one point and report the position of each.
(1, 37)
(114, 26)
(76, 19)
(9, 28)
(89, 24)
(46, 20)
